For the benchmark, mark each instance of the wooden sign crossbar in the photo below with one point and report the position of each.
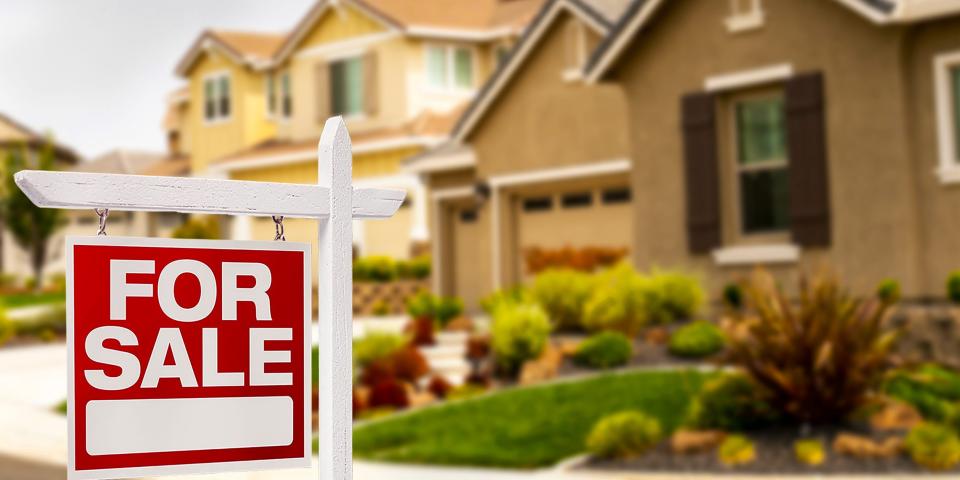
(333, 201)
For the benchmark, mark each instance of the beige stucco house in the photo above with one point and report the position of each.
(539, 159)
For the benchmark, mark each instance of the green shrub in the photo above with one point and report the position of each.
(733, 296)
(731, 403)
(9, 281)
(447, 309)
(680, 295)
(888, 291)
(198, 228)
(933, 390)
(518, 334)
(58, 282)
(376, 346)
(375, 268)
(624, 435)
(465, 391)
(809, 452)
(737, 450)
(696, 340)
(49, 322)
(7, 328)
(617, 302)
(604, 350)
(562, 294)
(933, 446)
(420, 267)
(953, 287)
(508, 296)
(421, 305)
(380, 308)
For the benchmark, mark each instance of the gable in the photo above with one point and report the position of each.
(339, 23)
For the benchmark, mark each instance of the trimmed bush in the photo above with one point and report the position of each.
(604, 350)
(933, 390)
(48, 323)
(697, 340)
(447, 309)
(518, 334)
(389, 393)
(198, 228)
(618, 302)
(409, 364)
(933, 446)
(680, 295)
(509, 296)
(378, 371)
(733, 296)
(376, 346)
(439, 309)
(888, 291)
(375, 268)
(731, 403)
(563, 294)
(737, 450)
(810, 452)
(439, 387)
(953, 287)
(380, 308)
(624, 435)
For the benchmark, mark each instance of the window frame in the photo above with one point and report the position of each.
(285, 106)
(270, 88)
(735, 232)
(948, 118)
(739, 21)
(216, 79)
(449, 56)
(360, 58)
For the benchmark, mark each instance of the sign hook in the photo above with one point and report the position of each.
(103, 213)
(278, 223)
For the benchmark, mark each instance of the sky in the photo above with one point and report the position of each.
(96, 73)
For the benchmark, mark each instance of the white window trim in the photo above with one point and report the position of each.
(745, 21)
(949, 166)
(748, 78)
(281, 114)
(756, 254)
(450, 85)
(216, 76)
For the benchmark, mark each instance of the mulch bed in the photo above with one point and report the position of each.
(774, 455)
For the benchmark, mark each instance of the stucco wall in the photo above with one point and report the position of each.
(872, 193)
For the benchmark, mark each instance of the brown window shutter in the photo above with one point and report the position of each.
(807, 149)
(702, 172)
(371, 87)
(321, 74)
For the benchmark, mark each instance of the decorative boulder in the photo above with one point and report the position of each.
(863, 447)
(691, 441)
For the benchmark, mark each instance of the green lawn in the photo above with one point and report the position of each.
(525, 427)
(18, 300)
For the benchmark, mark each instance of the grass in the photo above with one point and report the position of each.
(29, 299)
(526, 427)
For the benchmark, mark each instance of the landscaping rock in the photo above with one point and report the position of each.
(569, 346)
(895, 416)
(421, 398)
(864, 447)
(657, 336)
(689, 441)
(543, 368)
(460, 324)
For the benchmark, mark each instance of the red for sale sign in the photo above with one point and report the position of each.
(187, 356)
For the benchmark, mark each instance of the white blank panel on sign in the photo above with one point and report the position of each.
(183, 424)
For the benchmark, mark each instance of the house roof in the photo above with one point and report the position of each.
(29, 138)
(601, 15)
(471, 19)
(244, 48)
(425, 130)
(880, 12)
(172, 166)
(131, 162)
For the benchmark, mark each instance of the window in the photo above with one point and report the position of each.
(271, 95)
(947, 78)
(616, 195)
(577, 200)
(216, 97)
(286, 102)
(575, 50)
(346, 86)
(450, 67)
(761, 165)
(537, 204)
(744, 15)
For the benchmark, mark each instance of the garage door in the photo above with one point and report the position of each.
(590, 217)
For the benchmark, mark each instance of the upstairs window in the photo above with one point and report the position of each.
(286, 100)
(216, 97)
(745, 15)
(947, 90)
(450, 67)
(761, 165)
(346, 86)
(271, 95)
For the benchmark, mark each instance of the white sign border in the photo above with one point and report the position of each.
(199, 468)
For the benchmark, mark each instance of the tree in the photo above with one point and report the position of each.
(30, 225)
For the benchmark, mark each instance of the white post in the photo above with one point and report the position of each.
(335, 172)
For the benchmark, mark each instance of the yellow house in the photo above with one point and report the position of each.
(399, 71)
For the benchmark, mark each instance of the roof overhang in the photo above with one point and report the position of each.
(316, 13)
(457, 157)
(206, 42)
(527, 45)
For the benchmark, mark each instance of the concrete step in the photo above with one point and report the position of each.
(449, 364)
(444, 351)
(452, 338)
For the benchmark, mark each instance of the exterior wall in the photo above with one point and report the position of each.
(247, 124)
(541, 121)
(872, 191)
(10, 132)
(939, 202)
